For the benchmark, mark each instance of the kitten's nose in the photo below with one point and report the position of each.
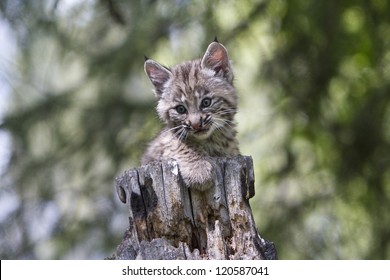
(195, 122)
(197, 125)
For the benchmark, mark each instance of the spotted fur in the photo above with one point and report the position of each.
(197, 102)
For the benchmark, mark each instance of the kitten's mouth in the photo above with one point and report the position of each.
(202, 133)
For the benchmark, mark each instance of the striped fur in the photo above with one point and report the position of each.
(197, 102)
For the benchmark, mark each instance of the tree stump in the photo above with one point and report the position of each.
(170, 221)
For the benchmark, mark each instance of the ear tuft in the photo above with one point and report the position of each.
(157, 74)
(216, 58)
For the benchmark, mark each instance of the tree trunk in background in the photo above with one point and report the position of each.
(170, 221)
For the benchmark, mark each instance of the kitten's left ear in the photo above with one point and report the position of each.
(157, 74)
(216, 58)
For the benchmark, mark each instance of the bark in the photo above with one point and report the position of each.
(167, 220)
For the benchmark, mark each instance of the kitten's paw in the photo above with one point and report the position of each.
(199, 175)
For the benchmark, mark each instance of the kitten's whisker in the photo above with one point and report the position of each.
(218, 127)
(178, 132)
(183, 134)
(173, 128)
(223, 122)
(228, 111)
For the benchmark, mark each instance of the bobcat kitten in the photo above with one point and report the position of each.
(197, 102)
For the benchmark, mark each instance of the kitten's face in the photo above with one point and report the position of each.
(195, 98)
(195, 102)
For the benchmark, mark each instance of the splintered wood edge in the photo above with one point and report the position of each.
(122, 182)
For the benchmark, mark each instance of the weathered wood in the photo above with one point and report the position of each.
(170, 221)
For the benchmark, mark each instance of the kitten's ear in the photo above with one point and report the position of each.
(216, 58)
(157, 74)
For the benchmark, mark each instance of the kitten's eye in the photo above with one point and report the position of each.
(206, 102)
(181, 109)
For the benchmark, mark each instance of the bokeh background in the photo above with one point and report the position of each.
(76, 110)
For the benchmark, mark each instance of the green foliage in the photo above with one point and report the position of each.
(313, 79)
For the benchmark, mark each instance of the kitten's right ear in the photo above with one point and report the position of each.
(216, 58)
(157, 74)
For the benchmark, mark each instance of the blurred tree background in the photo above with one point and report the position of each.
(313, 79)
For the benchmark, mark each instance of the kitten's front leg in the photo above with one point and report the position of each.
(199, 173)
